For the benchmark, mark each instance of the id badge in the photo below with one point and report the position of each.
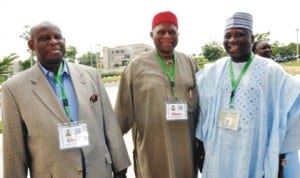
(229, 119)
(176, 110)
(73, 135)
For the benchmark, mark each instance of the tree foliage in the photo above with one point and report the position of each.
(26, 36)
(262, 36)
(89, 59)
(200, 60)
(70, 54)
(213, 51)
(5, 64)
(280, 50)
(26, 64)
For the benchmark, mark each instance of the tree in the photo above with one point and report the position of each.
(89, 59)
(280, 50)
(70, 54)
(213, 51)
(200, 60)
(26, 36)
(25, 64)
(262, 36)
(276, 49)
(5, 64)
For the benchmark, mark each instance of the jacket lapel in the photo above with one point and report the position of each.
(42, 89)
(81, 90)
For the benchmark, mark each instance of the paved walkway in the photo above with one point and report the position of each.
(112, 90)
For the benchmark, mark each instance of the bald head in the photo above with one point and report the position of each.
(48, 43)
(41, 25)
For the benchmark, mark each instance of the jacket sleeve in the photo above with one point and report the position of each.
(113, 136)
(15, 157)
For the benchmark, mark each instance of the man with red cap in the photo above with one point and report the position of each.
(157, 100)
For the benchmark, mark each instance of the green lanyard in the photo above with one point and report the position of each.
(235, 83)
(58, 81)
(169, 72)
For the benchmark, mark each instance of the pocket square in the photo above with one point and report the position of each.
(94, 98)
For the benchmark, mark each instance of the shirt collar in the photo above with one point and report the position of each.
(51, 74)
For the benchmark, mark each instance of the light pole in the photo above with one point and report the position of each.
(297, 46)
(98, 48)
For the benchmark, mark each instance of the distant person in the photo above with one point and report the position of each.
(49, 103)
(157, 100)
(249, 109)
(262, 48)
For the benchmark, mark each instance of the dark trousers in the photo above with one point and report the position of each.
(281, 165)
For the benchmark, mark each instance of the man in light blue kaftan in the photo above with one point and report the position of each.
(292, 168)
(249, 109)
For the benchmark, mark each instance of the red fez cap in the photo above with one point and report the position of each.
(165, 16)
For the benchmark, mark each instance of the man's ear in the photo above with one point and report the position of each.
(252, 38)
(30, 44)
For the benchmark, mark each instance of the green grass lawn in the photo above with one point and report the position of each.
(292, 67)
(293, 63)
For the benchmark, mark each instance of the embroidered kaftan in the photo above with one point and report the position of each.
(269, 103)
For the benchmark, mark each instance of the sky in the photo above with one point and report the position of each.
(91, 24)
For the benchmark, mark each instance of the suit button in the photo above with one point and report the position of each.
(79, 170)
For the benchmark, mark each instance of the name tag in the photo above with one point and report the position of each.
(229, 119)
(176, 110)
(73, 135)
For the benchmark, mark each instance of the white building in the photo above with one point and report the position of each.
(120, 55)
